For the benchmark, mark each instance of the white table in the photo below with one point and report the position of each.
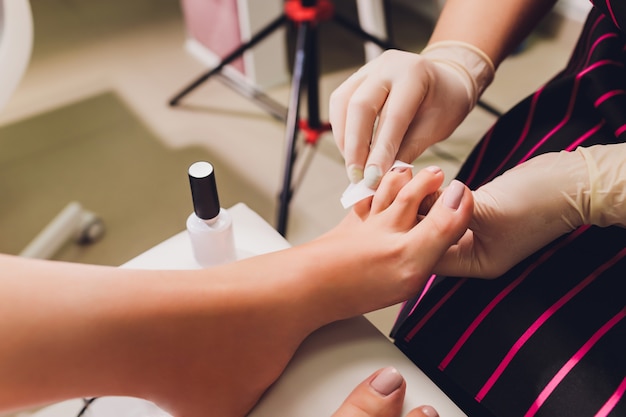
(328, 365)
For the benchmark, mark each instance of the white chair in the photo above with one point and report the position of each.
(16, 45)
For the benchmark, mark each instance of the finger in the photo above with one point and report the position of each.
(459, 260)
(423, 411)
(416, 140)
(363, 208)
(399, 109)
(338, 105)
(362, 112)
(380, 395)
(406, 204)
(428, 202)
(443, 226)
(389, 187)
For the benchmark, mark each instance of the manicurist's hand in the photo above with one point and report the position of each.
(380, 395)
(536, 202)
(400, 103)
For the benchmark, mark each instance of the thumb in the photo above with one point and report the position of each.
(380, 395)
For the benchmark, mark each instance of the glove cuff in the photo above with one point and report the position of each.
(471, 64)
(606, 166)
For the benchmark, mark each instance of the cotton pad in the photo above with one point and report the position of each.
(359, 191)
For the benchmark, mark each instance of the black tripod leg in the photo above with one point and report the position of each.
(356, 29)
(489, 108)
(262, 34)
(314, 122)
(293, 114)
(312, 78)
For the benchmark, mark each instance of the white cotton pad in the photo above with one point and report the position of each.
(359, 191)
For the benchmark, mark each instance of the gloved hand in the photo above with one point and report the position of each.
(400, 103)
(534, 203)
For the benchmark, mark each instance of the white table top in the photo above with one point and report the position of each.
(328, 365)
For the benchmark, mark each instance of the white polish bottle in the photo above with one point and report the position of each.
(210, 227)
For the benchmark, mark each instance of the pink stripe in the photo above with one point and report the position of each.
(612, 402)
(598, 64)
(531, 115)
(607, 96)
(539, 322)
(596, 43)
(436, 307)
(590, 38)
(429, 283)
(600, 39)
(480, 157)
(506, 291)
(522, 137)
(608, 6)
(586, 136)
(479, 319)
(595, 26)
(620, 130)
(572, 362)
(570, 108)
(596, 23)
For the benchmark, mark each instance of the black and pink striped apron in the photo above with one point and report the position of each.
(548, 338)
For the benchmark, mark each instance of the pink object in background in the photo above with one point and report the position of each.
(215, 24)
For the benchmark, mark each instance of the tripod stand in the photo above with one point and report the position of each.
(306, 14)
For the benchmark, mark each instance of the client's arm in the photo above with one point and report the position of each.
(211, 341)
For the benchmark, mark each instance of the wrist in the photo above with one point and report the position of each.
(605, 194)
(470, 64)
(562, 181)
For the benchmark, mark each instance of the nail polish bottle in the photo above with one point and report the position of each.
(210, 227)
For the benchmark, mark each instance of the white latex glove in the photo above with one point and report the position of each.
(400, 103)
(536, 202)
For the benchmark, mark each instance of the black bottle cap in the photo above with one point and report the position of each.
(206, 203)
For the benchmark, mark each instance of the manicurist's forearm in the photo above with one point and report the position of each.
(495, 27)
